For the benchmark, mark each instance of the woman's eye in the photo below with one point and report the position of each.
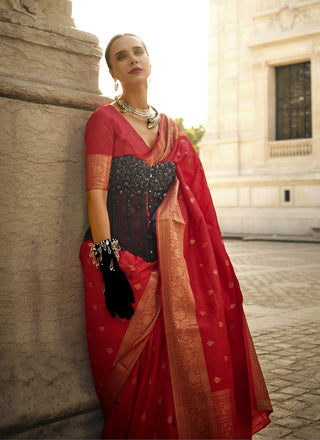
(121, 57)
(139, 52)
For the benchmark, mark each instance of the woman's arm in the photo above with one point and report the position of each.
(98, 214)
(118, 294)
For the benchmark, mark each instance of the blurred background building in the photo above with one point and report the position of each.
(261, 151)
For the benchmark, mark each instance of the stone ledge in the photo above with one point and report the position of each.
(71, 40)
(262, 180)
(272, 237)
(61, 24)
(50, 94)
(280, 37)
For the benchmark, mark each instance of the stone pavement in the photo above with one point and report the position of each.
(281, 287)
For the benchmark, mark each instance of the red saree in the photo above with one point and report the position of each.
(184, 366)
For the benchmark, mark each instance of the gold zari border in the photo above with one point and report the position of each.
(191, 388)
(98, 171)
(134, 341)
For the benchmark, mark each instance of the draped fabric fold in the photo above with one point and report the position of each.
(190, 381)
(184, 366)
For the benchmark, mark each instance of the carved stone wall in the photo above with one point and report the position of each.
(249, 172)
(48, 88)
(286, 16)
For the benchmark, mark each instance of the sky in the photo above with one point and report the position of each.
(176, 35)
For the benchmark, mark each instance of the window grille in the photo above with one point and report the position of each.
(293, 101)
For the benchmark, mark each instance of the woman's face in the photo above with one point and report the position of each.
(129, 60)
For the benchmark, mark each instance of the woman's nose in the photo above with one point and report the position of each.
(133, 59)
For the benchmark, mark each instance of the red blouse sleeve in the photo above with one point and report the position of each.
(99, 137)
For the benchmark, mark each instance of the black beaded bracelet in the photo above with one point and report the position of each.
(110, 245)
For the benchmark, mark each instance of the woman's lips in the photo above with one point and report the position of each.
(136, 70)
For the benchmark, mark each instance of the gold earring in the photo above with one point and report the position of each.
(116, 85)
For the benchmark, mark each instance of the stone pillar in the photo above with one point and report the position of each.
(221, 144)
(48, 88)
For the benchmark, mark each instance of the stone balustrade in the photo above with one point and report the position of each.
(290, 148)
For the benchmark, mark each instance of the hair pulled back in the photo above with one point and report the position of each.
(113, 39)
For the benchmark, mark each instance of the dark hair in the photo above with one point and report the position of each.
(113, 39)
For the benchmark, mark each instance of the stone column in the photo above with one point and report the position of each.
(48, 88)
(220, 148)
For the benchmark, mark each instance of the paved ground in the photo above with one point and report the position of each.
(281, 286)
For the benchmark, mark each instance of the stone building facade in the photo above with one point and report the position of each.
(48, 89)
(264, 182)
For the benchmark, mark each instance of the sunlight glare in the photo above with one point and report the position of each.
(176, 35)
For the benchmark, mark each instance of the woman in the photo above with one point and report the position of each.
(169, 346)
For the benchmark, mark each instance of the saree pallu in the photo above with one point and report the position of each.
(184, 366)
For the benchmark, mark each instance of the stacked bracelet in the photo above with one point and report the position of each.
(111, 246)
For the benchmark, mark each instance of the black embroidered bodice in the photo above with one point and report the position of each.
(135, 192)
